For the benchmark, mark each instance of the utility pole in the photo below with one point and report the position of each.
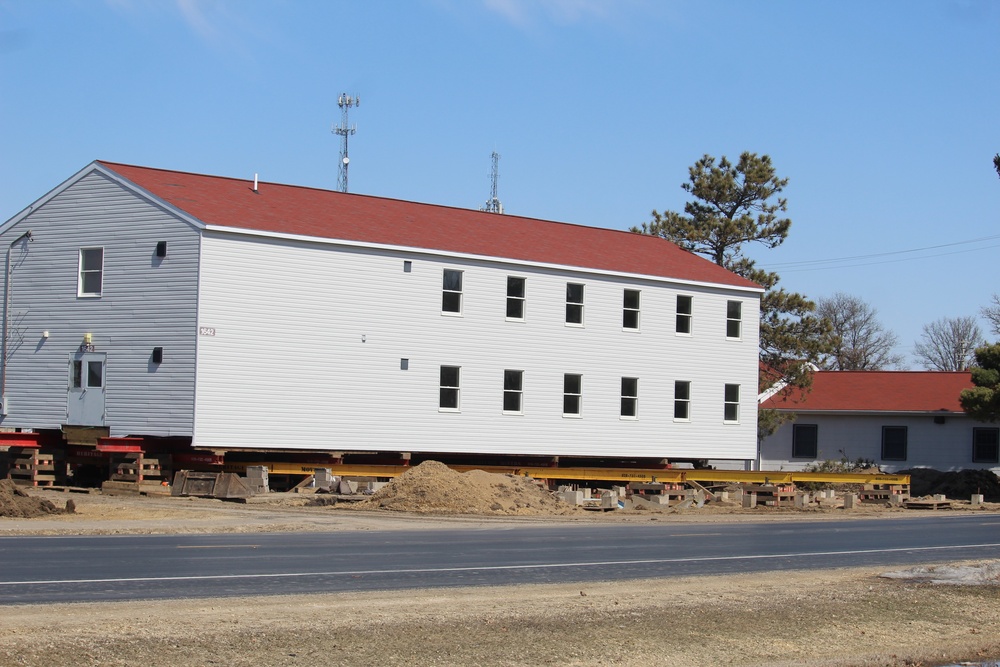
(344, 130)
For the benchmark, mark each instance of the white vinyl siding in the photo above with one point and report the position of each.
(313, 303)
(942, 446)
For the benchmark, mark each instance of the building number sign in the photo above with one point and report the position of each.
(206, 331)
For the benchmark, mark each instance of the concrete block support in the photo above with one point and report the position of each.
(749, 500)
(977, 499)
(850, 500)
(801, 500)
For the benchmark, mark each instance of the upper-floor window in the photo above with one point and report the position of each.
(684, 304)
(682, 400)
(731, 405)
(451, 298)
(574, 303)
(91, 281)
(805, 441)
(572, 395)
(986, 445)
(734, 319)
(513, 389)
(630, 398)
(515, 298)
(630, 309)
(449, 391)
(893, 443)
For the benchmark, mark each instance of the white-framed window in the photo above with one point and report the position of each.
(684, 310)
(574, 303)
(91, 280)
(451, 297)
(513, 391)
(986, 445)
(450, 386)
(515, 298)
(630, 398)
(805, 441)
(572, 395)
(894, 443)
(630, 309)
(682, 400)
(731, 405)
(734, 319)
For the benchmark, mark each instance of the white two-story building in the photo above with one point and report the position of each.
(239, 315)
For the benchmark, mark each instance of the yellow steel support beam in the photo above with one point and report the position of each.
(623, 475)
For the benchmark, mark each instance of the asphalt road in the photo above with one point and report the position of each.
(103, 568)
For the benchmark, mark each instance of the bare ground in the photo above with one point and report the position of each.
(840, 617)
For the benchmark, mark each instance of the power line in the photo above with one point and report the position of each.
(876, 258)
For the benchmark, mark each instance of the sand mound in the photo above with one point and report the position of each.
(16, 503)
(434, 487)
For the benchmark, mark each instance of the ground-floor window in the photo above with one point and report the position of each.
(805, 441)
(986, 445)
(450, 376)
(893, 443)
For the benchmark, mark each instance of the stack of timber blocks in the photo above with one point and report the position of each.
(29, 467)
(257, 479)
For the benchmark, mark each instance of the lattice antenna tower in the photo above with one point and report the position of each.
(344, 130)
(493, 204)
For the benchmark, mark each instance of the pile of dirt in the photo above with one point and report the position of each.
(955, 485)
(16, 503)
(434, 487)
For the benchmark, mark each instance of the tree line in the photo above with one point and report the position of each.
(736, 204)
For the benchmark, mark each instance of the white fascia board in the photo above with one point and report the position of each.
(485, 258)
(149, 196)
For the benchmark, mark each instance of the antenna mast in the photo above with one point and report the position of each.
(344, 130)
(493, 204)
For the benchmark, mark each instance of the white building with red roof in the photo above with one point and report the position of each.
(232, 314)
(898, 419)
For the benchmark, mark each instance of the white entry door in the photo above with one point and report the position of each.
(85, 400)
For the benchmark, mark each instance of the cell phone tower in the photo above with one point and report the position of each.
(344, 130)
(493, 204)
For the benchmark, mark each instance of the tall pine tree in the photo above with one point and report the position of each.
(733, 205)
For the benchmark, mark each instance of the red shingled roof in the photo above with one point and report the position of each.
(878, 391)
(286, 209)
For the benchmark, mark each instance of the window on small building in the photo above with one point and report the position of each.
(515, 298)
(684, 305)
(731, 407)
(986, 445)
(572, 395)
(630, 309)
(451, 299)
(805, 441)
(734, 319)
(513, 386)
(630, 398)
(450, 376)
(893, 443)
(91, 280)
(574, 303)
(682, 400)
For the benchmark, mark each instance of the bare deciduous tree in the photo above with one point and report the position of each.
(861, 342)
(949, 344)
(992, 314)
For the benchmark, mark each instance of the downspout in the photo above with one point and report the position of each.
(6, 304)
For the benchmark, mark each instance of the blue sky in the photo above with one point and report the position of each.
(884, 115)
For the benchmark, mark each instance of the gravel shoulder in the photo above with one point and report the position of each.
(838, 617)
